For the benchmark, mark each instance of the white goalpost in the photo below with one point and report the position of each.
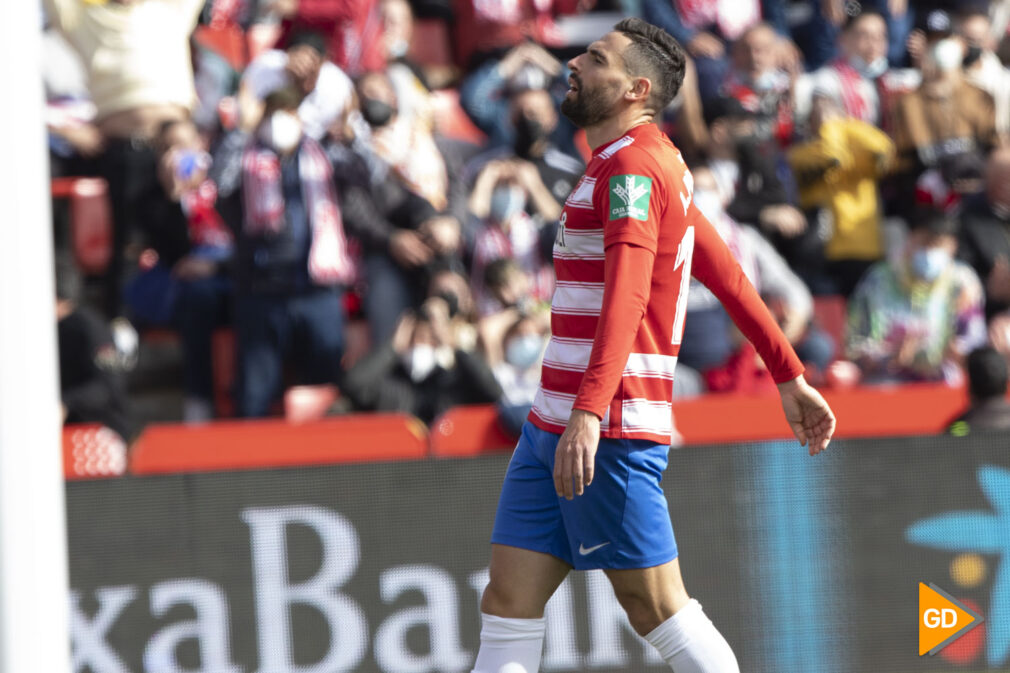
(33, 550)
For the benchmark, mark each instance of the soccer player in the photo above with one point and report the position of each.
(583, 488)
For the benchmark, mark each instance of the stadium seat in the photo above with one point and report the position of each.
(429, 45)
(451, 120)
(467, 431)
(830, 314)
(264, 444)
(92, 451)
(222, 349)
(90, 221)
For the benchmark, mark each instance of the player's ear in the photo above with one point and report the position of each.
(640, 89)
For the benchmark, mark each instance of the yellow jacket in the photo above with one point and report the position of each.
(839, 170)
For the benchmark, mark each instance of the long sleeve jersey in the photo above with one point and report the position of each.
(629, 239)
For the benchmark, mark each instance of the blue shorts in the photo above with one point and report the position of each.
(620, 521)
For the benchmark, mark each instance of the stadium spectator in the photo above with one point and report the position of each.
(985, 233)
(838, 170)
(397, 230)
(754, 178)
(534, 119)
(761, 86)
(92, 386)
(518, 372)
(485, 30)
(706, 28)
(408, 147)
(988, 408)
(353, 28)
(421, 370)
(139, 71)
(412, 90)
(499, 202)
(491, 95)
(511, 287)
(860, 79)
(982, 67)
(326, 89)
(916, 318)
(450, 285)
(946, 115)
(291, 260)
(189, 288)
(709, 340)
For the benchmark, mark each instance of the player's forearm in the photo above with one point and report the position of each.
(627, 282)
(716, 268)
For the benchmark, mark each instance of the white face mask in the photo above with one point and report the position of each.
(523, 352)
(871, 70)
(947, 54)
(709, 203)
(419, 362)
(282, 131)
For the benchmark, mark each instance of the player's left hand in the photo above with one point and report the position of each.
(575, 457)
(809, 416)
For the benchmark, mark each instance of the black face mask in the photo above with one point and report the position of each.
(376, 112)
(971, 56)
(528, 133)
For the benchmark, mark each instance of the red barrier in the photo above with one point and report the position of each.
(467, 431)
(90, 221)
(921, 409)
(472, 430)
(242, 445)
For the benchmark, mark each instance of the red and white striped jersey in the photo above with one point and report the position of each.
(638, 190)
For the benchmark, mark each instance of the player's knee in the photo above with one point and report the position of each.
(501, 600)
(645, 612)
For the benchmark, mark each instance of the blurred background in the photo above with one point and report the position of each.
(292, 235)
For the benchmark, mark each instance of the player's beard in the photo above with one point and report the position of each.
(590, 106)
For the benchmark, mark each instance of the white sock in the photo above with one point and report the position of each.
(690, 643)
(509, 645)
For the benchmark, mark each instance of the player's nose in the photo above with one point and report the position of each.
(573, 63)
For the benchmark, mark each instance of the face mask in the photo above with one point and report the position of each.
(506, 201)
(709, 204)
(376, 112)
(765, 81)
(282, 132)
(872, 70)
(419, 362)
(971, 56)
(524, 351)
(947, 54)
(528, 133)
(397, 49)
(929, 263)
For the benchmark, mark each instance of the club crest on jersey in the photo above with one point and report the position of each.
(629, 197)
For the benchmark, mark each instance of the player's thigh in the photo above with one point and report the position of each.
(521, 582)
(650, 596)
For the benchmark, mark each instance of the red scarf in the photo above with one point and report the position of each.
(853, 101)
(206, 228)
(263, 199)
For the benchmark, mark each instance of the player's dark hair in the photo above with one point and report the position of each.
(655, 55)
(987, 373)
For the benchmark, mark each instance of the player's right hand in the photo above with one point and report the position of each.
(575, 457)
(809, 416)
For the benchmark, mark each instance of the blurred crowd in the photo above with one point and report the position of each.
(367, 209)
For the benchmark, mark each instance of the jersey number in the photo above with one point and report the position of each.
(684, 254)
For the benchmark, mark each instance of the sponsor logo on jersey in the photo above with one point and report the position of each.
(629, 197)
